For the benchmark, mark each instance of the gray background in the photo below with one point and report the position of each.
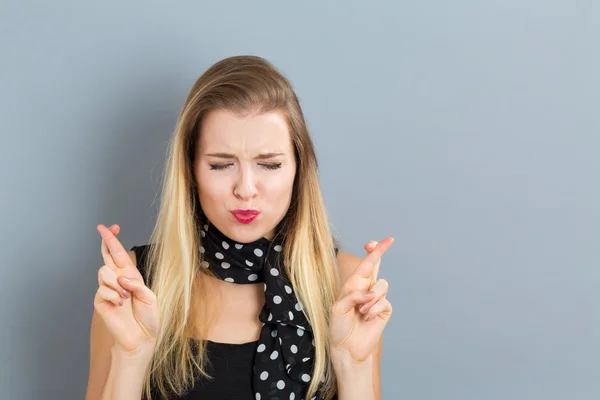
(469, 130)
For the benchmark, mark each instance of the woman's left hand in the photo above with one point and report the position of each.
(361, 312)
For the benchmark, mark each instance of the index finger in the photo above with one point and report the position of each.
(117, 252)
(368, 264)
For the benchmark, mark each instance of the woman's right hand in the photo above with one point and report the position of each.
(127, 306)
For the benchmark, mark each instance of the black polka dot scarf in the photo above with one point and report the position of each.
(284, 360)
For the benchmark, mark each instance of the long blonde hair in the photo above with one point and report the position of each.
(240, 84)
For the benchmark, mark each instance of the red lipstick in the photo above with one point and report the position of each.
(245, 216)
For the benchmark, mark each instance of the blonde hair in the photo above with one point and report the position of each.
(240, 84)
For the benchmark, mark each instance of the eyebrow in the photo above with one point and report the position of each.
(230, 156)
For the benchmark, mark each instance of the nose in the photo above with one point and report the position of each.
(245, 186)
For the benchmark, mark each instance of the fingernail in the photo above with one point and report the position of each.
(125, 293)
(127, 279)
(120, 302)
(363, 308)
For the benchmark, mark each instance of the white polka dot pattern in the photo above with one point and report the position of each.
(284, 357)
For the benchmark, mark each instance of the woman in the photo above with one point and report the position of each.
(242, 294)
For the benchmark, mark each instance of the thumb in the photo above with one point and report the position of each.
(138, 289)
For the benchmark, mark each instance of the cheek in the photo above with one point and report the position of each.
(209, 185)
(279, 188)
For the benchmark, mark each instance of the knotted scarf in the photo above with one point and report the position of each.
(283, 362)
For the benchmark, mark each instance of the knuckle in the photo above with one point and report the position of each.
(350, 283)
(347, 288)
(106, 276)
(101, 273)
(336, 308)
(150, 294)
(100, 294)
(104, 269)
(107, 293)
(356, 281)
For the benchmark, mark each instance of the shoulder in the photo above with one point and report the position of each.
(347, 263)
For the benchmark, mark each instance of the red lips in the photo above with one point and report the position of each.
(245, 216)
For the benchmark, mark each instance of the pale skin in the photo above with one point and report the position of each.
(235, 168)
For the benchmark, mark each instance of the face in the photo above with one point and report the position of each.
(245, 169)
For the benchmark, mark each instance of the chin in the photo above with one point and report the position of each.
(244, 233)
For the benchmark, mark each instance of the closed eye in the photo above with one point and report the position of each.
(271, 166)
(219, 166)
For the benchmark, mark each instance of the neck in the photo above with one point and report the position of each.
(224, 312)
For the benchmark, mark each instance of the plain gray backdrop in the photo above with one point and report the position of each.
(468, 130)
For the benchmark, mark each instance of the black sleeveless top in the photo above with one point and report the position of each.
(230, 365)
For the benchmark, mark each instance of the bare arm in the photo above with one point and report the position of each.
(126, 377)
(101, 343)
(347, 263)
(355, 381)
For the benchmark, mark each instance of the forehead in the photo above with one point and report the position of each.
(226, 131)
